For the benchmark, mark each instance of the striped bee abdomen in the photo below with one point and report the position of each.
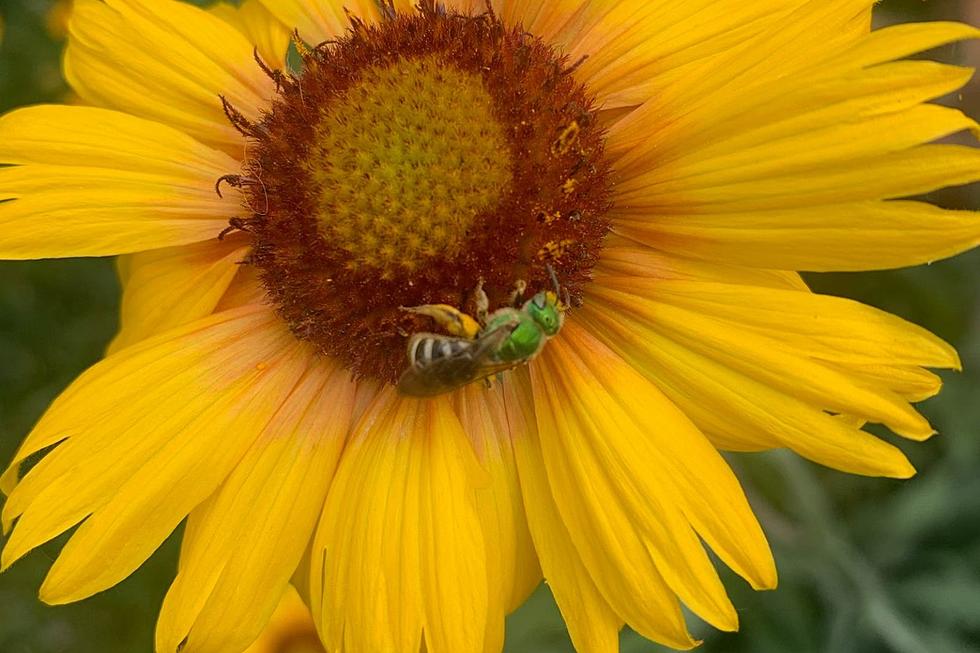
(426, 349)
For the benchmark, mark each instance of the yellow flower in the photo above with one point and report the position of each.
(674, 164)
(290, 630)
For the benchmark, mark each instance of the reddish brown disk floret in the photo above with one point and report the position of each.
(552, 213)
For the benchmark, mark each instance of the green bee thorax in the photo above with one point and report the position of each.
(502, 317)
(524, 342)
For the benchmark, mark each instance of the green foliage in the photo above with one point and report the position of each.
(866, 565)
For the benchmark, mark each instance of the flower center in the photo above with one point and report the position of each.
(404, 162)
(411, 160)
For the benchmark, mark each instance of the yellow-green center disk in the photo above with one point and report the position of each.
(404, 162)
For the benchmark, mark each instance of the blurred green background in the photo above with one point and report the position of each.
(866, 565)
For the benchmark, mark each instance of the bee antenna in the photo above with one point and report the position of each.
(554, 279)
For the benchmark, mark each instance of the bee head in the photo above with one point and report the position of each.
(544, 310)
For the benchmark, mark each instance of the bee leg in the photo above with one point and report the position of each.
(488, 381)
(517, 294)
(453, 320)
(482, 303)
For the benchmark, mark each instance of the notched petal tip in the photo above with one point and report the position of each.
(957, 362)
(902, 469)
(921, 433)
(687, 646)
(945, 355)
(762, 576)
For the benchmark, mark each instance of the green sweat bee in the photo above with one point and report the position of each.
(481, 348)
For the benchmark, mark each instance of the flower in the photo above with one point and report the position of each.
(290, 630)
(670, 165)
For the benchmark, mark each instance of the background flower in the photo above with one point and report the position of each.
(850, 587)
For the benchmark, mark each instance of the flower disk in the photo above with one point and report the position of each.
(404, 162)
(411, 159)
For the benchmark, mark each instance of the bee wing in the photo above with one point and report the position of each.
(489, 369)
(451, 362)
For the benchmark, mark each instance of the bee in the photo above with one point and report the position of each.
(482, 347)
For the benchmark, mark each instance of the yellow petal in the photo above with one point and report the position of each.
(841, 237)
(399, 554)
(592, 624)
(727, 71)
(801, 149)
(558, 22)
(649, 475)
(167, 288)
(900, 174)
(512, 564)
(824, 108)
(736, 410)
(827, 328)
(759, 145)
(637, 260)
(246, 289)
(242, 546)
(137, 456)
(913, 383)
(750, 108)
(259, 26)
(301, 577)
(320, 20)
(291, 623)
(897, 41)
(629, 44)
(168, 61)
(64, 418)
(810, 32)
(563, 23)
(764, 358)
(811, 148)
(92, 182)
(104, 549)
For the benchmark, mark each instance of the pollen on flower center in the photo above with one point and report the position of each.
(410, 160)
(405, 161)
